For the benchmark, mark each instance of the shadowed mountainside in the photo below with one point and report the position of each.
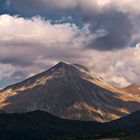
(42, 125)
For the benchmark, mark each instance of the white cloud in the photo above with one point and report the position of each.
(118, 66)
(6, 70)
(33, 45)
(129, 5)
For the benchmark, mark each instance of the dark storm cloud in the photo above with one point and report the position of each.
(118, 27)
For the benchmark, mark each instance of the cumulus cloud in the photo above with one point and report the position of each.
(29, 46)
(34, 43)
(116, 18)
(120, 68)
(28, 37)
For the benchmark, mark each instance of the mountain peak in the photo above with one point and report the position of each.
(69, 91)
(73, 66)
(62, 63)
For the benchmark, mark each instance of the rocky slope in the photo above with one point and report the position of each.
(69, 91)
(133, 89)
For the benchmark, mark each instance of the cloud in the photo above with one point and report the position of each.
(37, 37)
(29, 46)
(44, 5)
(34, 44)
(8, 3)
(120, 68)
(116, 18)
(118, 26)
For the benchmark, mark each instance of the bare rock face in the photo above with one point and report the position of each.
(69, 91)
(133, 89)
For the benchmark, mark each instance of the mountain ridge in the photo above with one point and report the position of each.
(69, 91)
(42, 125)
(133, 89)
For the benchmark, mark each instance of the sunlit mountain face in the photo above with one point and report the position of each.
(69, 91)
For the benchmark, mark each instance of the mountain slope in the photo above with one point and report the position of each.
(69, 91)
(133, 89)
(128, 123)
(123, 127)
(42, 125)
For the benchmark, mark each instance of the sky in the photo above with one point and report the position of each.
(103, 35)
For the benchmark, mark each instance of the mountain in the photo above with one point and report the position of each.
(133, 89)
(129, 123)
(69, 91)
(42, 125)
(2, 112)
(39, 125)
(127, 127)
